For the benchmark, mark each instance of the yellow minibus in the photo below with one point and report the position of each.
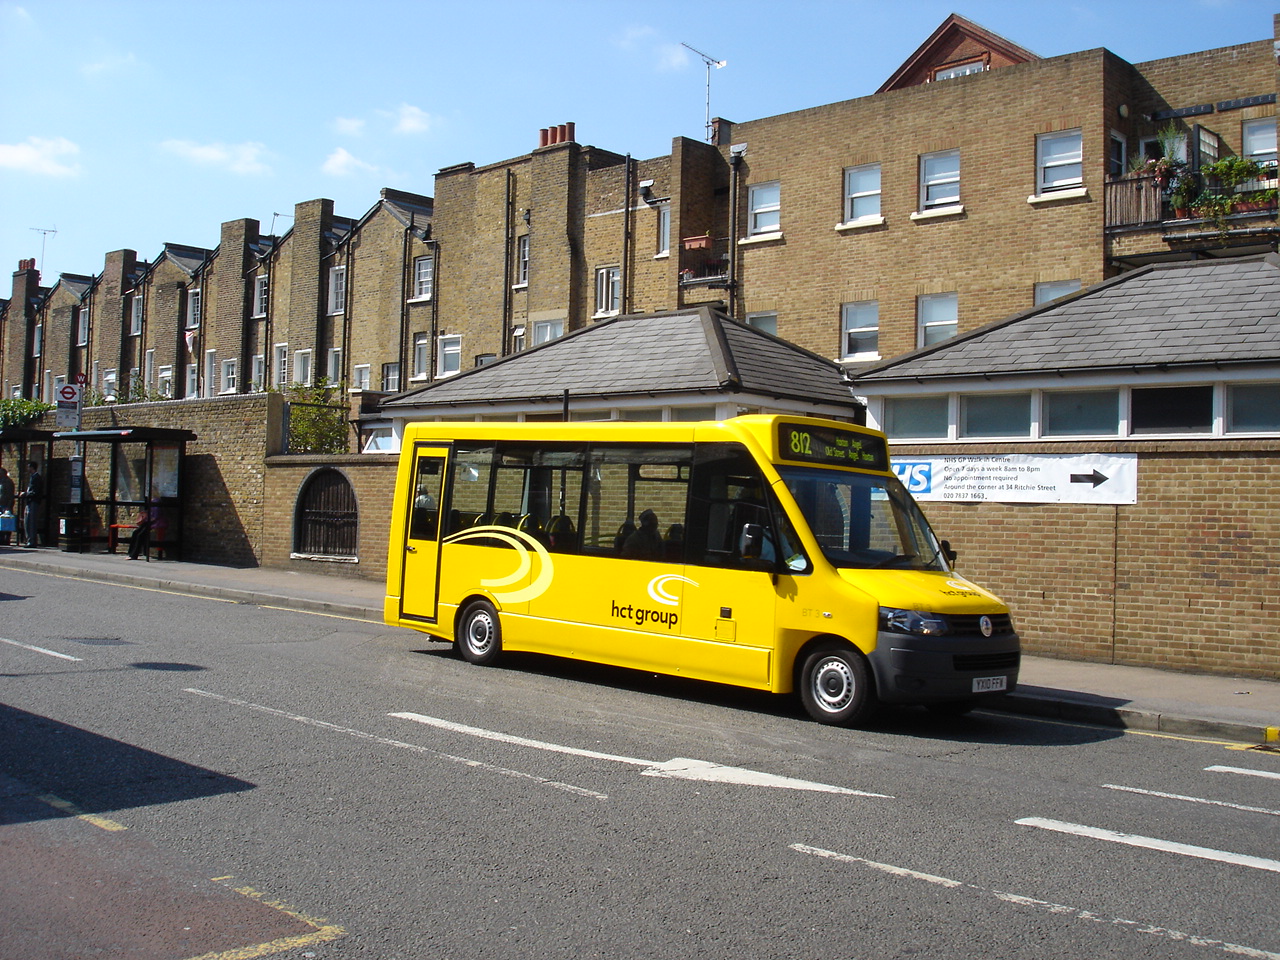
(774, 552)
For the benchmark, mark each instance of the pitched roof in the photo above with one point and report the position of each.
(956, 40)
(1222, 311)
(689, 351)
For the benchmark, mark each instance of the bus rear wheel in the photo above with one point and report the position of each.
(479, 633)
(835, 686)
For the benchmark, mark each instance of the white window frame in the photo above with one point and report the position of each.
(936, 178)
(608, 291)
(852, 196)
(280, 365)
(1117, 165)
(258, 373)
(82, 326)
(230, 376)
(522, 260)
(261, 294)
(1253, 131)
(303, 370)
(1051, 290)
(859, 316)
(337, 290)
(449, 355)
(37, 341)
(1048, 163)
(135, 316)
(421, 356)
(544, 331)
(518, 338)
(664, 230)
(149, 367)
(391, 376)
(966, 69)
(765, 320)
(424, 278)
(926, 329)
(210, 373)
(764, 209)
(360, 376)
(194, 309)
(333, 365)
(110, 388)
(191, 371)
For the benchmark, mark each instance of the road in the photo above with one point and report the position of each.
(183, 777)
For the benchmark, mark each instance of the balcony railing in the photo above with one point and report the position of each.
(1135, 201)
(704, 261)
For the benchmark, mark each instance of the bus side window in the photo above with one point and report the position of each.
(424, 517)
(469, 498)
(728, 493)
(636, 501)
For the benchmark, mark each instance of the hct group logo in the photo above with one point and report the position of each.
(916, 476)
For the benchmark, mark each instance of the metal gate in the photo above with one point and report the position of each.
(326, 518)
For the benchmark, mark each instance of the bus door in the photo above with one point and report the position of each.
(731, 549)
(420, 586)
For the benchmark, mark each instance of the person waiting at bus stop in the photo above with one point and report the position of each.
(32, 498)
(8, 494)
(148, 519)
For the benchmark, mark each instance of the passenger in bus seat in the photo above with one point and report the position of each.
(645, 543)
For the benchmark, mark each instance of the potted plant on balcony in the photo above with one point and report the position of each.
(697, 243)
(1186, 188)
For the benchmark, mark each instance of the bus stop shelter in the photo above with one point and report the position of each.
(141, 472)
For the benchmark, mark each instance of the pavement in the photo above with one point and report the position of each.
(1240, 710)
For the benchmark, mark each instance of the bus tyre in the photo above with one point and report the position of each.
(479, 633)
(835, 686)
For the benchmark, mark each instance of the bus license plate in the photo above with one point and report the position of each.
(990, 684)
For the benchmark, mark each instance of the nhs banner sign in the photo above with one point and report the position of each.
(916, 476)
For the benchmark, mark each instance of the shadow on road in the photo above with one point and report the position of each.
(43, 757)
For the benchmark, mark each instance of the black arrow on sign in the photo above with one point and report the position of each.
(1095, 478)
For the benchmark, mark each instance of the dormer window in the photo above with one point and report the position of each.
(953, 70)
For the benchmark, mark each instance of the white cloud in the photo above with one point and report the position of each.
(40, 156)
(111, 63)
(240, 158)
(667, 57)
(351, 126)
(671, 57)
(411, 119)
(340, 163)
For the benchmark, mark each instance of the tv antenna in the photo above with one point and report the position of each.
(710, 61)
(45, 234)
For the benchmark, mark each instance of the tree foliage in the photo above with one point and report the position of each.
(15, 412)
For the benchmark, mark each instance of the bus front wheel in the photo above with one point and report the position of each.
(835, 686)
(479, 633)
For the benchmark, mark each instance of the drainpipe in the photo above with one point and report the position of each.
(508, 230)
(402, 350)
(735, 162)
(624, 282)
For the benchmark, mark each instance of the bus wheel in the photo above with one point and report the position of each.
(479, 633)
(835, 686)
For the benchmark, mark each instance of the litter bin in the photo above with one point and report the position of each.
(73, 527)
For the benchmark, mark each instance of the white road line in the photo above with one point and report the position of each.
(1153, 843)
(51, 653)
(678, 768)
(1178, 796)
(1073, 913)
(1245, 771)
(399, 744)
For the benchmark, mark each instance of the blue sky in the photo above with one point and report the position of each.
(132, 123)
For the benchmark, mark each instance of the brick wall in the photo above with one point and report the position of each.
(372, 477)
(1186, 578)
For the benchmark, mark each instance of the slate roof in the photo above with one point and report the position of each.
(695, 350)
(1224, 311)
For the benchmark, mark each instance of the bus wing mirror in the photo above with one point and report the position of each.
(948, 552)
(751, 543)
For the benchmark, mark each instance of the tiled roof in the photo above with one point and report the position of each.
(1187, 312)
(697, 350)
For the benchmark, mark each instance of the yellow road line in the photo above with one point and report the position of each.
(322, 931)
(66, 806)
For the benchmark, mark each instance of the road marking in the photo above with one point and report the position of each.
(679, 768)
(51, 653)
(1073, 913)
(323, 931)
(1244, 771)
(1153, 843)
(1178, 796)
(399, 744)
(66, 806)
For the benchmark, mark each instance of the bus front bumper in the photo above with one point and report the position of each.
(911, 669)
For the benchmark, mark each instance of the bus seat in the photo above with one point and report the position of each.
(561, 534)
(505, 519)
(531, 525)
(673, 542)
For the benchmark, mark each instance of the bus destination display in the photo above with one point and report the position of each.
(832, 447)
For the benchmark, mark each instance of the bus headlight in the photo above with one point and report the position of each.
(916, 622)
